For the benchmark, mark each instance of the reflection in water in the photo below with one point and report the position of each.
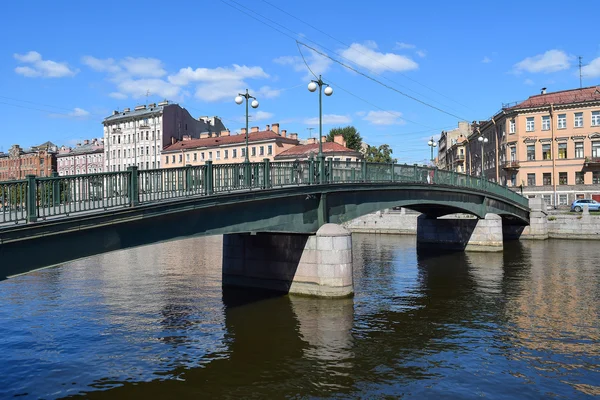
(155, 322)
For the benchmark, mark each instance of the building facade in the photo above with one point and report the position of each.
(451, 148)
(137, 137)
(18, 163)
(85, 158)
(547, 146)
(335, 150)
(227, 149)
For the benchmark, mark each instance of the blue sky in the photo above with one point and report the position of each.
(66, 65)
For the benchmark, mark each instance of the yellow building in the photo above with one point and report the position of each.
(548, 144)
(229, 149)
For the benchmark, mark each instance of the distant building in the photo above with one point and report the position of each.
(335, 150)
(548, 144)
(226, 148)
(18, 163)
(137, 137)
(85, 158)
(448, 156)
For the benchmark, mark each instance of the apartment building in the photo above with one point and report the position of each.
(18, 163)
(84, 158)
(451, 148)
(547, 146)
(226, 148)
(335, 150)
(138, 137)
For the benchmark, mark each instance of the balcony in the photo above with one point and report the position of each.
(592, 162)
(459, 158)
(508, 165)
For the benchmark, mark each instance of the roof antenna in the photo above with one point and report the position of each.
(580, 81)
(310, 131)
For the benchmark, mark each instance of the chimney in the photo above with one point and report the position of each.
(115, 112)
(311, 140)
(254, 129)
(275, 128)
(294, 136)
(187, 137)
(173, 140)
(204, 135)
(543, 90)
(323, 139)
(86, 141)
(268, 128)
(126, 110)
(243, 131)
(339, 139)
(225, 132)
(283, 133)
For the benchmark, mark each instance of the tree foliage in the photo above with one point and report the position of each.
(350, 134)
(381, 154)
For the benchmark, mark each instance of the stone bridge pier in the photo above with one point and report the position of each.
(467, 233)
(308, 264)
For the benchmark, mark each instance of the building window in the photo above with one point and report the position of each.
(530, 125)
(180, 158)
(562, 121)
(547, 179)
(578, 149)
(218, 154)
(202, 156)
(579, 178)
(253, 151)
(546, 154)
(546, 123)
(166, 159)
(512, 128)
(596, 149)
(269, 150)
(210, 155)
(243, 152)
(563, 200)
(173, 159)
(595, 118)
(513, 153)
(530, 179)
(596, 177)
(547, 199)
(579, 120)
(562, 178)
(562, 150)
(187, 157)
(262, 150)
(195, 156)
(226, 154)
(531, 152)
(234, 155)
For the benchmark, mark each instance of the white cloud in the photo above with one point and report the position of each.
(592, 70)
(267, 92)
(143, 67)
(237, 73)
(486, 60)
(77, 112)
(329, 119)
(117, 95)
(384, 118)
(137, 88)
(218, 91)
(262, 115)
(550, 61)
(367, 56)
(421, 53)
(401, 45)
(97, 64)
(38, 67)
(528, 82)
(317, 63)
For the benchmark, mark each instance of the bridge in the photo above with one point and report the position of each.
(280, 220)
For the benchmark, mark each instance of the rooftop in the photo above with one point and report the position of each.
(579, 95)
(92, 147)
(227, 140)
(152, 109)
(305, 150)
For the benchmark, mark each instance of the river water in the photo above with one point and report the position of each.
(154, 322)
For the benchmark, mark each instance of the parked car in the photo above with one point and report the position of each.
(577, 205)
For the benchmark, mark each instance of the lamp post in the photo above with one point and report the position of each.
(312, 86)
(432, 143)
(482, 140)
(239, 100)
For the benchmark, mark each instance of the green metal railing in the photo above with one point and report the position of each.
(41, 198)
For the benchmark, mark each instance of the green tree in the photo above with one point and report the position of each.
(381, 154)
(350, 134)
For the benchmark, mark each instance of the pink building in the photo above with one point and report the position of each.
(86, 158)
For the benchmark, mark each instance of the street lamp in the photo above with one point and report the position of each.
(483, 141)
(239, 100)
(312, 86)
(432, 143)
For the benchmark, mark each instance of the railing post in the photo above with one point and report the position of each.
(55, 189)
(267, 173)
(353, 174)
(329, 171)
(188, 178)
(236, 175)
(364, 170)
(392, 171)
(416, 173)
(134, 188)
(209, 178)
(311, 171)
(321, 159)
(247, 174)
(31, 198)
